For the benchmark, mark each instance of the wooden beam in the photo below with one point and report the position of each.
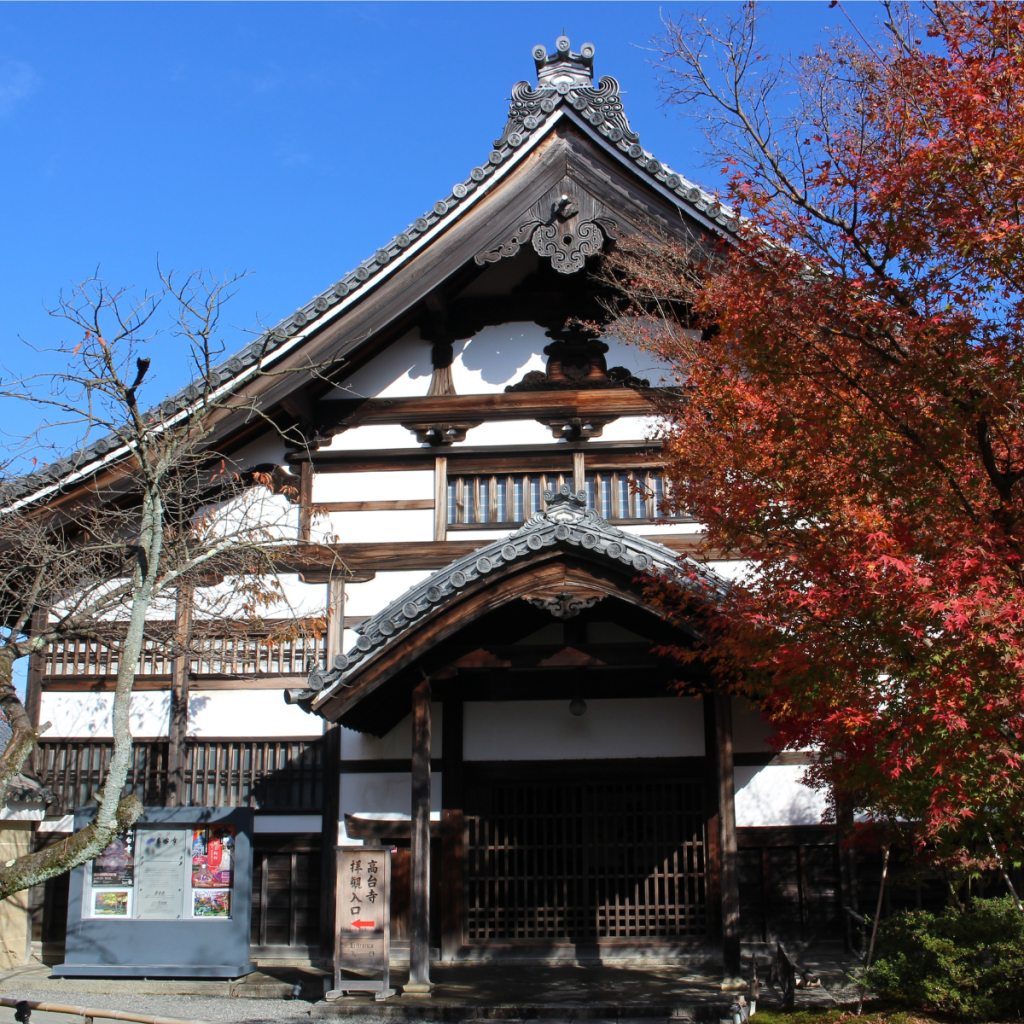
(524, 405)
(465, 458)
(393, 505)
(106, 684)
(419, 938)
(178, 727)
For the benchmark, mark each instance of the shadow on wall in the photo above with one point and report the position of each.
(776, 796)
(499, 353)
(196, 706)
(73, 714)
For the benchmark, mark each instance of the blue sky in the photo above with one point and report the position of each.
(286, 139)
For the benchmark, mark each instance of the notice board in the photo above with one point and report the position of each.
(169, 898)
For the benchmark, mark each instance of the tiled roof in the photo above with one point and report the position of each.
(565, 89)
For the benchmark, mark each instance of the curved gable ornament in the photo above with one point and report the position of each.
(566, 226)
(566, 521)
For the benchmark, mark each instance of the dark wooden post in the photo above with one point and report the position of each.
(178, 726)
(419, 938)
(711, 823)
(451, 830)
(331, 806)
(726, 786)
(329, 836)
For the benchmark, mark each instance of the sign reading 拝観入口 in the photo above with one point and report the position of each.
(363, 915)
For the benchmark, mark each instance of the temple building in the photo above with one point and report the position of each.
(488, 701)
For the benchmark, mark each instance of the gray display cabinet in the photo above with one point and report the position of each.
(158, 908)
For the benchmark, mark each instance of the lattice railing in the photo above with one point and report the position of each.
(74, 769)
(285, 775)
(233, 654)
(508, 499)
(267, 774)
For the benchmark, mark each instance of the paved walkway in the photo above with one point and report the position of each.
(635, 992)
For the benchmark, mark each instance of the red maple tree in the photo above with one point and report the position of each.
(852, 404)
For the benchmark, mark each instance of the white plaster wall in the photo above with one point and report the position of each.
(508, 432)
(372, 438)
(88, 714)
(413, 483)
(359, 746)
(750, 732)
(630, 428)
(498, 356)
(248, 713)
(370, 597)
(545, 730)
(384, 793)
(402, 369)
(484, 536)
(269, 448)
(484, 364)
(391, 525)
(774, 795)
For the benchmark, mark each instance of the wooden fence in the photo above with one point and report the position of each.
(285, 775)
(230, 654)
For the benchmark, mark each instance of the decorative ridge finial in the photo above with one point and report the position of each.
(564, 66)
(566, 77)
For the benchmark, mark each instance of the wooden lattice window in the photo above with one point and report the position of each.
(505, 499)
(510, 499)
(587, 860)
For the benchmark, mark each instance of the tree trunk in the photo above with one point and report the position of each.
(114, 814)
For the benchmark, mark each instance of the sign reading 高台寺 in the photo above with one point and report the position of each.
(363, 921)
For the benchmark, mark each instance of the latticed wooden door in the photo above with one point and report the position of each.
(585, 861)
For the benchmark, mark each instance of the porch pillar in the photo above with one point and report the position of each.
(451, 829)
(331, 807)
(419, 938)
(726, 786)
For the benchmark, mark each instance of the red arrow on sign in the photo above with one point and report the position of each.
(362, 924)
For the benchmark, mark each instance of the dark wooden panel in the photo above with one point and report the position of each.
(789, 884)
(285, 894)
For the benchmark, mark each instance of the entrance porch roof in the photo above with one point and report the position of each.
(413, 620)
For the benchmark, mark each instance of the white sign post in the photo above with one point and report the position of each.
(362, 932)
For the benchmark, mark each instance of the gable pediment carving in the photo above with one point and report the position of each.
(566, 226)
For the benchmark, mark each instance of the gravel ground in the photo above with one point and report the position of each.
(203, 1008)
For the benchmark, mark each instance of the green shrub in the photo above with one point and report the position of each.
(967, 963)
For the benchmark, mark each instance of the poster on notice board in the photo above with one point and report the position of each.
(116, 864)
(213, 857)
